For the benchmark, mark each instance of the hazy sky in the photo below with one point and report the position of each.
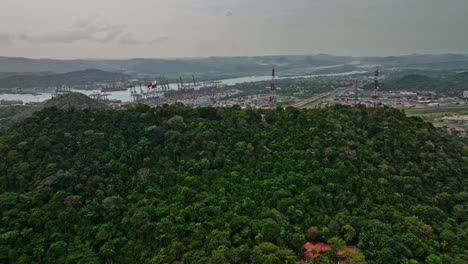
(198, 28)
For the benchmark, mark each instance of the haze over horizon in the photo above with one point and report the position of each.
(233, 56)
(66, 29)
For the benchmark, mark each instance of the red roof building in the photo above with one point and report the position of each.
(318, 248)
(314, 251)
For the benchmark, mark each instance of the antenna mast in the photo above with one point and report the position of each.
(273, 87)
(181, 82)
(356, 95)
(376, 86)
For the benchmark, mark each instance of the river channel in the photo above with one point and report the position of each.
(125, 96)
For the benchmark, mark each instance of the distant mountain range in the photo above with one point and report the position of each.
(52, 79)
(451, 84)
(8, 74)
(214, 65)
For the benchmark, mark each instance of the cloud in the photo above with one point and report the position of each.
(160, 40)
(24, 37)
(110, 33)
(92, 29)
(5, 38)
(68, 36)
(228, 13)
(128, 39)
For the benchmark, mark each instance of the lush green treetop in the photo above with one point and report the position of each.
(223, 185)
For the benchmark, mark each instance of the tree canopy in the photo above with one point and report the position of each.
(174, 184)
(451, 84)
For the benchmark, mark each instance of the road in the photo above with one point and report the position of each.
(318, 97)
(441, 110)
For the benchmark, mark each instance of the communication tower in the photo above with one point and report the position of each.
(376, 86)
(356, 93)
(273, 88)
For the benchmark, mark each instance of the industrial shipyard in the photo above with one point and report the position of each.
(361, 88)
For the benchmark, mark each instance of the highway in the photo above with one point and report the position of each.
(317, 97)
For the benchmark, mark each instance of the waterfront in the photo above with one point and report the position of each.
(125, 96)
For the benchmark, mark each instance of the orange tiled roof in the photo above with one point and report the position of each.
(314, 251)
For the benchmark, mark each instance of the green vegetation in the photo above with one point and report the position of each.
(8, 74)
(451, 84)
(433, 108)
(10, 115)
(210, 66)
(299, 87)
(430, 116)
(223, 185)
(435, 112)
(413, 82)
(76, 100)
(434, 115)
(326, 98)
(71, 78)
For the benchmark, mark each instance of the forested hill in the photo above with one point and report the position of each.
(71, 78)
(14, 114)
(453, 84)
(222, 185)
(76, 100)
(414, 82)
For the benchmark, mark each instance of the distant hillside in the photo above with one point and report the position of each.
(209, 65)
(413, 82)
(459, 80)
(76, 100)
(452, 85)
(70, 78)
(231, 65)
(11, 115)
(403, 72)
(8, 74)
(421, 61)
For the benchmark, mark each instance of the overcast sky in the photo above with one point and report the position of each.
(198, 28)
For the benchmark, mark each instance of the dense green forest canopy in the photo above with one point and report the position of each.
(75, 100)
(450, 84)
(71, 78)
(174, 184)
(10, 115)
